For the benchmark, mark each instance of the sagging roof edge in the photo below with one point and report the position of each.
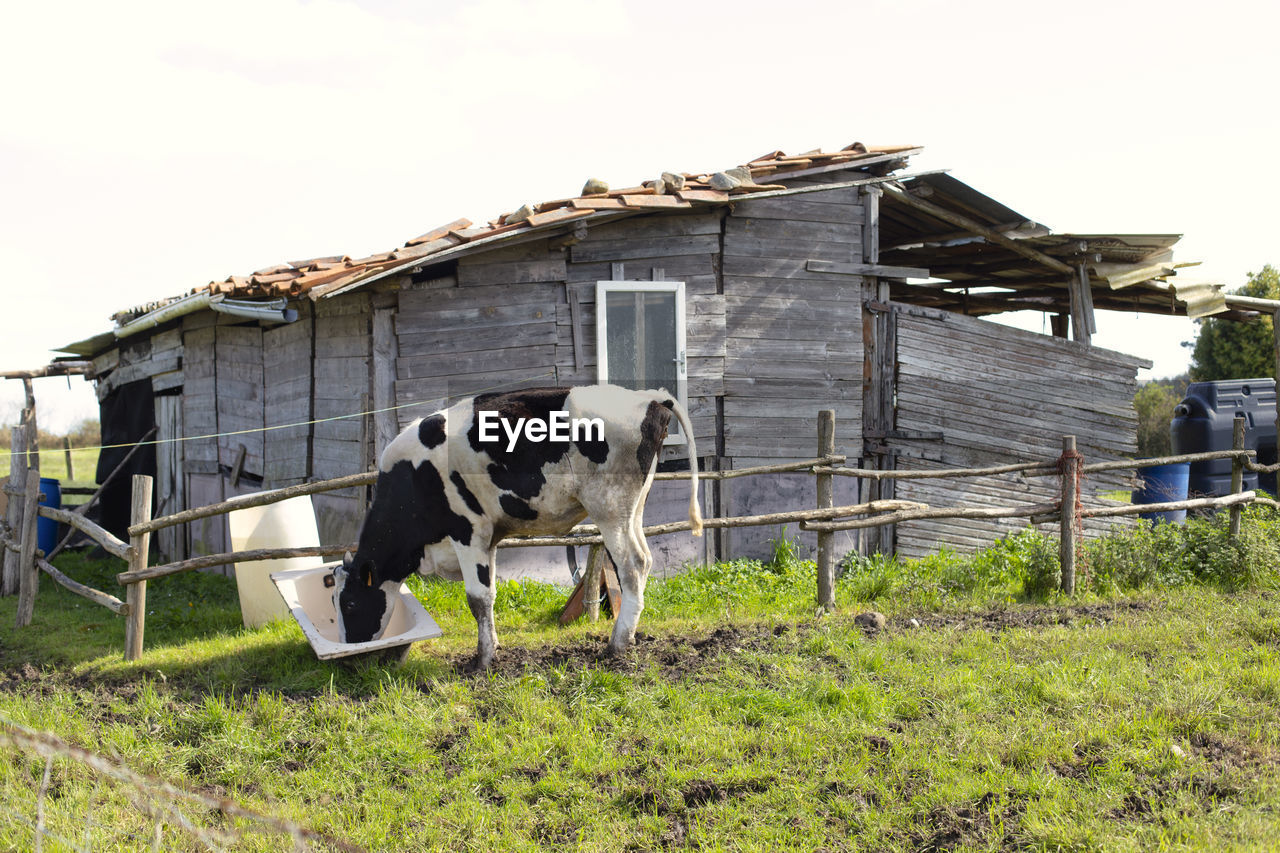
(456, 252)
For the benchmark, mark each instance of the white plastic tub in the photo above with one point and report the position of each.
(285, 524)
(311, 603)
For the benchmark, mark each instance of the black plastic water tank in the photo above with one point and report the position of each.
(1203, 422)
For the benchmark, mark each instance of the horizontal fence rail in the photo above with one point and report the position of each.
(108, 601)
(103, 537)
(825, 519)
(208, 561)
(368, 478)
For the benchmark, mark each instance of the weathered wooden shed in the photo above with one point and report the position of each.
(760, 294)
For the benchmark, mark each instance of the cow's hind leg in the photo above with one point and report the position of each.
(478, 577)
(631, 555)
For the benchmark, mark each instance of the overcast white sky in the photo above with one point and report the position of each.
(147, 148)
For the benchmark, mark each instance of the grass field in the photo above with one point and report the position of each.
(1142, 715)
(53, 463)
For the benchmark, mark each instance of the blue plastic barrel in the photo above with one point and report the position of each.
(47, 528)
(1162, 484)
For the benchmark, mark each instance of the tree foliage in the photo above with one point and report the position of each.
(1238, 350)
(1154, 402)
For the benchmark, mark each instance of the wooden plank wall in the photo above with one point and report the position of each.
(200, 417)
(199, 393)
(793, 338)
(341, 381)
(286, 368)
(238, 380)
(157, 357)
(684, 247)
(999, 395)
(170, 491)
(492, 326)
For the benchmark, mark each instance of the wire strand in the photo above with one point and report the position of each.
(5, 454)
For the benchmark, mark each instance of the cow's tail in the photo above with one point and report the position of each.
(695, 511)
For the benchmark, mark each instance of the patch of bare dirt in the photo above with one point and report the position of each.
(949, 827)
(1232, 769)
(1004, 619)
(702, 791)
(675, 656)
(1226, 753)
(680, 657)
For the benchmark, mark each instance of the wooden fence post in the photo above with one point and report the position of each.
(1237, 472)
(826, 500)
(17, 482)
(591, 582)
(28, 574)
(71, 468)
(1069, 474)
(136, 598)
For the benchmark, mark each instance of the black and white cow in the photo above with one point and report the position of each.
(447, 492)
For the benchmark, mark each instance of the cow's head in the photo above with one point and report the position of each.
(362, 603)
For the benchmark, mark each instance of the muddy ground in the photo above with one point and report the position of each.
(678, 657)
(675, 657)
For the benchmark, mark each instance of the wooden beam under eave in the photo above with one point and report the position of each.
(983, 231)
(58, 368)
(879, 270)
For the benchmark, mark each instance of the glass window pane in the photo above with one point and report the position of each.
(660, 341)
(642, 339)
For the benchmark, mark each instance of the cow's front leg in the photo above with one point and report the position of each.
(477, 565)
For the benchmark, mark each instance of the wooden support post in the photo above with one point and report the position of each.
(28, 574)
(591, 582)
(1070, 464)
(17, 482)
(139, 544)
(871, 224)
(1080, 322)
(1086, 300)
(880, 361)
(29, 421)
(612, 589)
(826, 500)
(585, 597)
(1237, 472)
(66, 448)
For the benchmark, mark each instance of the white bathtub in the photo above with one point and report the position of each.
(311, 604)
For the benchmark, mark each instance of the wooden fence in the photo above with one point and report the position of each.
(825, 519)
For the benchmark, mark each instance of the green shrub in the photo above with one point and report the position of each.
(1200, 551)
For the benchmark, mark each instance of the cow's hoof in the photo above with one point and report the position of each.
(476, 665)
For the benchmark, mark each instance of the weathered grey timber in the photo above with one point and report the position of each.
(992, 392)
(9, 577)
(787, 311)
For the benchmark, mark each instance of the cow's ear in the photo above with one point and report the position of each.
(366, 573)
